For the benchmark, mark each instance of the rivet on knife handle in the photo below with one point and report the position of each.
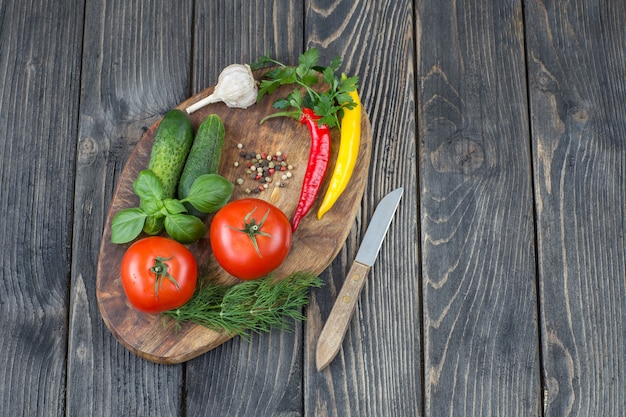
(332, 336)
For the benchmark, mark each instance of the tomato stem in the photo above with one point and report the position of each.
(252, 228)
(161, 270)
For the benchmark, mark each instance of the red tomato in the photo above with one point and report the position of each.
(158, 274)
(250, 238)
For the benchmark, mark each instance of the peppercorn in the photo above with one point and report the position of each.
(261, 167)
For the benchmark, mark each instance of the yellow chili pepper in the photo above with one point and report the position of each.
(347, 155)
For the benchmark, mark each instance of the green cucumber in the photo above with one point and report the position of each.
(172, 142)
(204, 157)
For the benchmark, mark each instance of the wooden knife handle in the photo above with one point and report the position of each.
(336, 326)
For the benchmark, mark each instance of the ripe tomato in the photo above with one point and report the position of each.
(158, 274)
(250, 238)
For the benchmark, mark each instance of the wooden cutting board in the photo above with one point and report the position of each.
(315, 243)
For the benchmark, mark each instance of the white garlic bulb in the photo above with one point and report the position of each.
(236, 87)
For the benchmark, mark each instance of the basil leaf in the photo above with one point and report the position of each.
(174, 206)
(209, 193)
(184, 228)
(148, 186)
(127, 224)
(151, 207)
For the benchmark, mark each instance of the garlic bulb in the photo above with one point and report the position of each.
(236, 87)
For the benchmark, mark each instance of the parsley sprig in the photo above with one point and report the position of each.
(317, 88)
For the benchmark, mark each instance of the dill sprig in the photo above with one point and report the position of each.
(258, 306)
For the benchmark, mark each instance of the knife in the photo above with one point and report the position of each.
(334, 330)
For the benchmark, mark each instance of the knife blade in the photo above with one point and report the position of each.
(331, 337)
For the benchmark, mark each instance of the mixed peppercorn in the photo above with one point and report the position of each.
(263, 169)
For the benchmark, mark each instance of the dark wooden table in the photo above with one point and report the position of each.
(501, 288)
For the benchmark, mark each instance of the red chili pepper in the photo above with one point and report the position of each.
(316, 166)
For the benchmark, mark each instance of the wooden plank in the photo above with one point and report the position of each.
(136, 62)
(377, 372)
(576, 56)
(39, 66)
(480, 302)
(262, 377)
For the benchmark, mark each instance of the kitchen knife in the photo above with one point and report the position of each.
(334, 330)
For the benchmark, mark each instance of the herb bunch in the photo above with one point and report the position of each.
(208, 193)
(328, 103)
(258, 305)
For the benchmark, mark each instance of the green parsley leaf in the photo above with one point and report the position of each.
(345, 100)
(281, 104)
(309, 58)
(267, 87)
(348, 84)
(335, 63)
(327, 102)
(328, 76)
(288, 75)
(265, 59)
(310, 78)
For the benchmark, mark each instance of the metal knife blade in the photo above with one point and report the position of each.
(334, 330)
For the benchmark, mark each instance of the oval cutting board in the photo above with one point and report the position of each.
(315, 243)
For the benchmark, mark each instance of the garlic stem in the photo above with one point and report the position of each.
(198, 105)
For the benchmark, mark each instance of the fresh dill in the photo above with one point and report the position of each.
(258, 305)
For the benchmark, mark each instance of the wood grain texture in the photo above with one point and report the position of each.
(506, 197)
(262, 377)
(478, 264)
(578, 103)
(377, 372)
(135, 67)
(39, 67)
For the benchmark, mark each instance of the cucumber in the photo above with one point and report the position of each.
(204, 157)
(172, 142)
